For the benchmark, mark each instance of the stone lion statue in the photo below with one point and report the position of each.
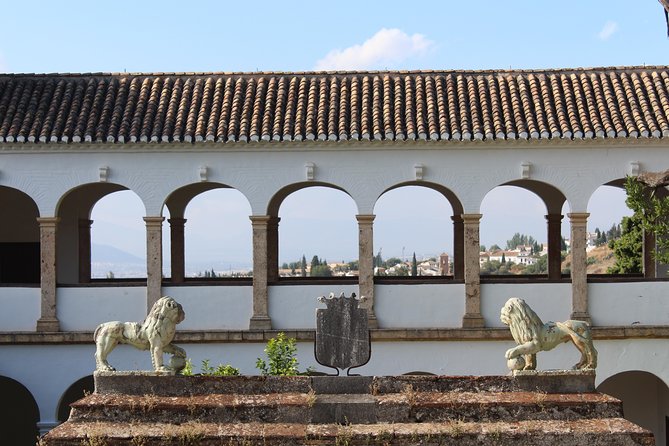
(533, 336)
(155, 334)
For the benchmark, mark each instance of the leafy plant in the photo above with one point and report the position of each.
(219, 370)
(188, 369)
(652, 210)
(280, 353)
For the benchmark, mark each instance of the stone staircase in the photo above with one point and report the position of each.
(144, 409)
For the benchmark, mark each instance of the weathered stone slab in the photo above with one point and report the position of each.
(342, 333)
(341, 384)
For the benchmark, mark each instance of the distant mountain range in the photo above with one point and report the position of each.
(110, 255)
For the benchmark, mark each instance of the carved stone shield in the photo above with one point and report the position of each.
(342, 333)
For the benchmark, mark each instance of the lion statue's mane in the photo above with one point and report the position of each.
(533, 336)
(155, 334)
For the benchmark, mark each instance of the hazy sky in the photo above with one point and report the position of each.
(165, 36)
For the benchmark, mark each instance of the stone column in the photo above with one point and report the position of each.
(273, 249)
(154, 260)
(177, 249)
(458, 248)
(649, 264)
(554, 238)
(85, 250)
(366, 265)
(579, 277)
(260, 319)
(48, 320)
(472, 270)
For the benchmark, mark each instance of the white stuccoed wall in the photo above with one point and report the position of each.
(83, 309)
(214, 307)
(419, 306)
(20, 308)
(551, 301)
(643, 303)
(294, 306)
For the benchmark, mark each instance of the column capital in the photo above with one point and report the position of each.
(554, 218)
(365, 218)
(177, 221)
(46, 222)
(470, 219)
(154, 221)
(577, 218)
(260, 219)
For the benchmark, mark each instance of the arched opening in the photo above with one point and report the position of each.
(19, 414)
(645, 400)
(318, 233)
(75, 392)
(100, 234)
(515, 230)
(118, 237)
(614, 240)
(218, 239)
(209, 233)
(414, 231)
(19, 238)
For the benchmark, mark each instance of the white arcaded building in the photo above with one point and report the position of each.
(66, 141)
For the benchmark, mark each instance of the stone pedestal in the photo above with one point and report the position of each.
(527, 409)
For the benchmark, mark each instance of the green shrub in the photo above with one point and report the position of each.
(219, 370)
(280, 353)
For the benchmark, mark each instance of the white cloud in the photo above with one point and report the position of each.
(387, 48)
(609, 29)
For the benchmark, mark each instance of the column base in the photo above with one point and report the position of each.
(473, 321)
(48, 324)
(581, 316)
(372, 322)
(260, 323)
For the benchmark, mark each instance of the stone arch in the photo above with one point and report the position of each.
(553, 200)
(273, 210)
(74, 230)
(177, 203)
(75, 392)
(19, 415)
(19, 238)
(645, 399)
(455, 215)
(278, 198)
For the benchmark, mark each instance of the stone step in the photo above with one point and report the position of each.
(141, 383)
(596, 432)
(406, 407)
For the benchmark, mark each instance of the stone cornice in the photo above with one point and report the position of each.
(377, 335)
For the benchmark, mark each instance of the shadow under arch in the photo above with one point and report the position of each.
(19, 238)
(278, 198)
(645, 399)
(442, 260)
(74, 229)
(19, 414)
(75, 392)
(177, 203)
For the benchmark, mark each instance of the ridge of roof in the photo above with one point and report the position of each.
(472, 72)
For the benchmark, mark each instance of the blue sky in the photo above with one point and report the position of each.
(170, 36)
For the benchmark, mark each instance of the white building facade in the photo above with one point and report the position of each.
(66, 141)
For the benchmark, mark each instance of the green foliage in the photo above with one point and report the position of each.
(540, 267)
(392, 262)
(188, 369)
(519, 239)
(628, 249)
(281, 358)
(652, 211)
(303, 266)
(495, 247)
(414, 266)
(321, 271)
(219, 370)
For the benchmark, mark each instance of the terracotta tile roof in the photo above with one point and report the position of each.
(627, 102)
